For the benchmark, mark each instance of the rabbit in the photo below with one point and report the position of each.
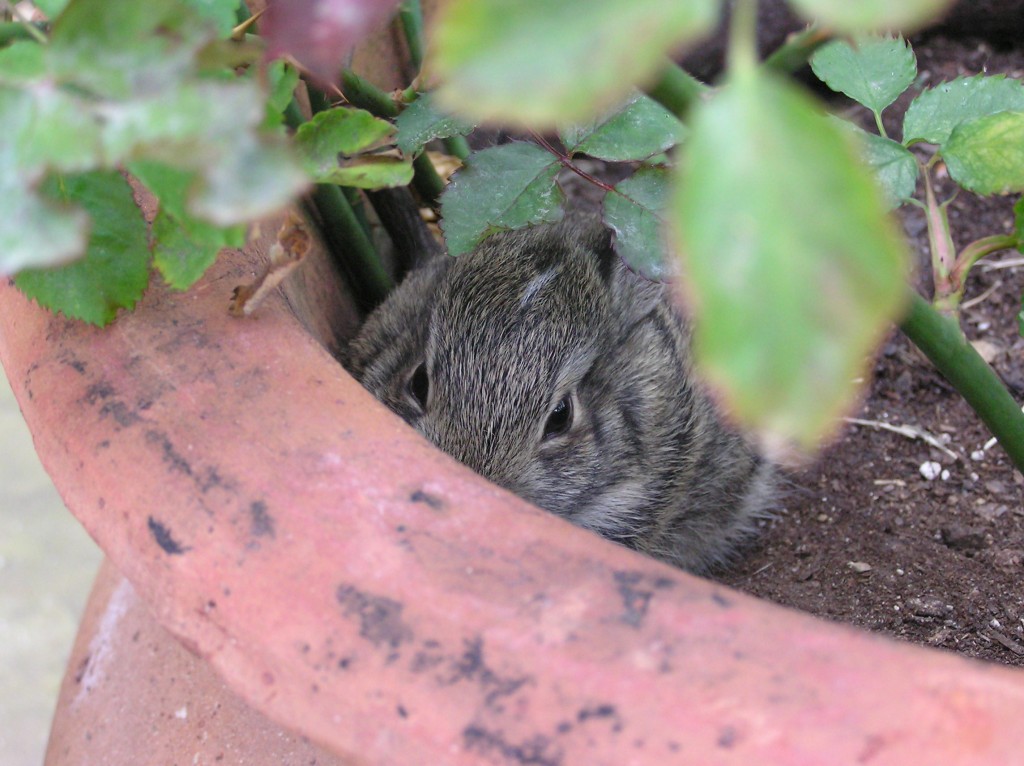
(543, 363)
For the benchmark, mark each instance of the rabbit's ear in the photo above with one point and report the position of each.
(633, 295)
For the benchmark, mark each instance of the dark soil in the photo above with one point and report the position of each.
(863, 537)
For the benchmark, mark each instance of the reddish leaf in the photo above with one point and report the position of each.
(319, 34)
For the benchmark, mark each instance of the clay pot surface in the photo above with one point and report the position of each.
(360, 588)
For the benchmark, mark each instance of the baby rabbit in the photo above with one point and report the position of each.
(544, 364)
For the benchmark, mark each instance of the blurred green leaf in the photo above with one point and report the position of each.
(932, 116)
(986, 155)
(281, 79)
(640, 129)
(35, 231)
(258, 177)
(46, 127)
(895, 165)
(222, 13)
(115, 269)
(368, 171)
(873, 71)
(1020, 318)
(537, 62)
(870, 15)
(504, 187)
(50, 7)
(787, 306)
(421, 122)
(183, 246)
(22, 60)
(635, 211)
(117, 48)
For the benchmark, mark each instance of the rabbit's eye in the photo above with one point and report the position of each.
(419, 385)
(560, 419)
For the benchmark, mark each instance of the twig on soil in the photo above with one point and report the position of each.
(975, 301)
(1006, 263)
(911, 432)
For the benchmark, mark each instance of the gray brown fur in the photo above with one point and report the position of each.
(530, 317)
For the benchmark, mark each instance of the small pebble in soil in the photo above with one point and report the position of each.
(963, 538)
(930, 470)
(860, 567)
(928, 606)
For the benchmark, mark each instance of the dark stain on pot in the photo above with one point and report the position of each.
(721, 600)
(98, 391)
(344, 662)
(402, 712)
(434, 502)
(380, 618)
(165, 539)
(538, 750)
(596, 712)
(170, 455)
(636, 591)
(120, 412)
(70, 360)
(470, 666)
(262, 522)
(728, 737)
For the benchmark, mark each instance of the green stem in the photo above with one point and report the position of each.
(879, 125)
(345, 237)
(410, 16)
(457, 146)
(22, 30)
(940, 242)
(797, 49)
(352, 249)
(368, 96)
(677, 89)
(942, 341)
(969, 256)
(426, 181)
(742, 51)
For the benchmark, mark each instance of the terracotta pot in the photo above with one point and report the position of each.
(361, 589)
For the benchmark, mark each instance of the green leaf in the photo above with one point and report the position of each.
(793, 268)
(332, 147)
(223, 14)
(368, 172)
(46, 127)
(986, 155)
(119, 48)
(640, 129)
(22, 60)
(932, 116)
(36, 231)
(50, 7)
(258, 177)
(183, 246)
(115, 269)
(870, 15)
(895, 166)
(422, 121)
(873, 71)
(504, 187)
(538, 62)
(635, 211)
(282, 79)
(336, 135)
(209, 126)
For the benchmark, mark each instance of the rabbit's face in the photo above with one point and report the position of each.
(503, 380)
